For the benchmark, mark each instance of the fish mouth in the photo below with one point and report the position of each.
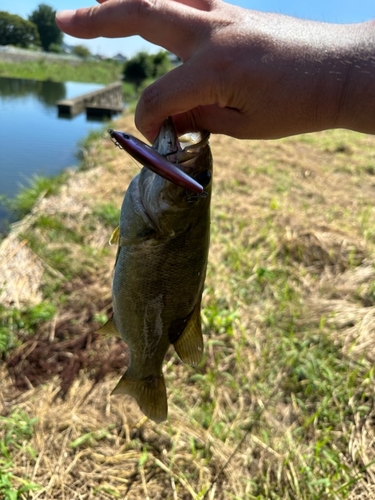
(180, 150)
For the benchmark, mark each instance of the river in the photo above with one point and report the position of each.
(33, 139)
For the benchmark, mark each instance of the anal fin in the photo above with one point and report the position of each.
(150, 394)
(189, 345)
(109, 328)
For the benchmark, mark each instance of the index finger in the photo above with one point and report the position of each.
(176, 26)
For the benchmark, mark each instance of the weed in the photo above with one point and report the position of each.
(39, 186)
(15, 432)
(17, 324)
(57, 229)
(218, 317)
(85, 145)
(56, 241)
(90, 438)
(107, 213)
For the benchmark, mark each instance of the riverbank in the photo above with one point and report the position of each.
(56, 68)
(43, 68)
(13, 54)
(63, 70)
(288, 315)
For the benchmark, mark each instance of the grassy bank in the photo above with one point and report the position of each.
(104, 72)
(86, 71)
(281, 408)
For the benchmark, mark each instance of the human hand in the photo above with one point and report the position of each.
(246, 74)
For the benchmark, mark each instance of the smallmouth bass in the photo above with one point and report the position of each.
(160, 268)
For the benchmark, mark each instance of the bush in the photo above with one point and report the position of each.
(81, 51)
(144, 66)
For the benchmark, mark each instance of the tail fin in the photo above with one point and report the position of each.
(150, 394)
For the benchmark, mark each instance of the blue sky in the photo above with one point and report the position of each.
(335, 11)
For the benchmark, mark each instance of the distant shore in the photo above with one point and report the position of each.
(39, 66)
(15, 54)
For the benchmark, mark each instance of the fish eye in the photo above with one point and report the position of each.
(203, 178)
(125, 136)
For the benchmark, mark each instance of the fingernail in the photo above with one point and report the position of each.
(65, 16)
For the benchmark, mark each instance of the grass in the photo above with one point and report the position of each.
(17, 430)
(39, 186)
(104, 72)
(281, 407)
(57, 242)
(16, 325)
(107, 213)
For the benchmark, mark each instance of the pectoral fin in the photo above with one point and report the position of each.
(150, 394)
(122, 241)
(189, 345)
(115, 237)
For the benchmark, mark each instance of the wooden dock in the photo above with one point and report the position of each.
(103, 102)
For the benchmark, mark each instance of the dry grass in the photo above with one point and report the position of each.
(286, 389)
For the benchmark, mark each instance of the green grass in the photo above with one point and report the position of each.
(92, 140)
(317, 381)
(16, 325)
(58, 244)
(107, 213)
(104, 72)
(91, 438)
(39, 186)
(17, 430)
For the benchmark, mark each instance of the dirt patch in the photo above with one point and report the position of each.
(67, 346)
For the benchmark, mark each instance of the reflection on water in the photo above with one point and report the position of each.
(33, 140)
(47, 93)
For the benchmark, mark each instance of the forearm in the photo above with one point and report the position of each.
(342, 59)
(356, 107)
(310, 76)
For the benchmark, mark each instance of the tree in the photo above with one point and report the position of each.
(81, 51)
(14, 30)
(161, 63)
(44, 19)
(143, 66)
(138, 68)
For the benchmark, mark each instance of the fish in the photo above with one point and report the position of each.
(160, 268)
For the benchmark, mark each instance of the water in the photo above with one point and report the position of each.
(33, 140)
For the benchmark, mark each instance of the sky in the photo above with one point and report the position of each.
(335, 11)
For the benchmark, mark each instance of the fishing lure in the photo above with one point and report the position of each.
(153, 160)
